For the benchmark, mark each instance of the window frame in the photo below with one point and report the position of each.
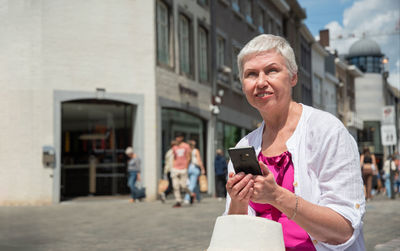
(190, 57)
(201, 27)
(169, 63)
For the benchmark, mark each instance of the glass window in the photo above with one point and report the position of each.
(248, 11)
(260, 21)
(362, 64)
(94, 136)
(220, 51)
(163, 43)
(203, 2)
(235, 69)
(203, 57)
(317, 91)
(235, 5)
(184, 48)
(269, 25)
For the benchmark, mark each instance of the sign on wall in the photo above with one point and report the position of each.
(388, 115)
(388, 134)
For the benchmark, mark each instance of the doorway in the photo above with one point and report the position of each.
(94, 136)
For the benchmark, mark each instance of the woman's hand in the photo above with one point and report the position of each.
(265, 187)
(240, 187)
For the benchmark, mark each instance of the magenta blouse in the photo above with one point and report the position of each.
(294, 236)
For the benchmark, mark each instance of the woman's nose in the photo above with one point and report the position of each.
(262, 80)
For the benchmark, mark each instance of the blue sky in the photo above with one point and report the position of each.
(376, 19)
(321, 12)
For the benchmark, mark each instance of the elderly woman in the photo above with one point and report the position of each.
(311, 180)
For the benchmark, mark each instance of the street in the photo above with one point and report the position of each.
(112, 223)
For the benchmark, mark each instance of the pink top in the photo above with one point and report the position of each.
(294, 236)
(181, 152)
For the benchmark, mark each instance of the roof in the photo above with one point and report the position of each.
(364, 47)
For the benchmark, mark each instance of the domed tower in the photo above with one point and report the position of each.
(366, 55)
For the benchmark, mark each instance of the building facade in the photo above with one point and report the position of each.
(77, 98)
(85, 80)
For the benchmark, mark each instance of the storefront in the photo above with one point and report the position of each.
(178, 121)
(228, 135)
(92, 133)
(94, 136)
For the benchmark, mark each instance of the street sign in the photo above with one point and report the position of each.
(388, 115)
(388, 135)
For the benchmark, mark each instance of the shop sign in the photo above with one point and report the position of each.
(388, 114)
(188, 91)
(388, 135)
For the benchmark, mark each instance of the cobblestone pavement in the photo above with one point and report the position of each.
(115, 224)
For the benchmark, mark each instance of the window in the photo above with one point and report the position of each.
(184, 45)
(235, 5)
(220, 51)
(235, 69)
(163, 31)
(260, 21)
(317, 91)
(248, 11)
(203, 57)
(202, 2)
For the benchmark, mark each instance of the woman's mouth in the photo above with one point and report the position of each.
(263, 94)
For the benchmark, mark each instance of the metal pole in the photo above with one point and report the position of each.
(213, 120)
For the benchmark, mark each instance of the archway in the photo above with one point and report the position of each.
(94, 135)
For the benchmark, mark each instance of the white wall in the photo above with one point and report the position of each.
(369, 96)
(69, 45)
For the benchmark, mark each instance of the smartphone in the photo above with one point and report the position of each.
(244, 160)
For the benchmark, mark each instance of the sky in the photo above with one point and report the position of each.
(378, 20)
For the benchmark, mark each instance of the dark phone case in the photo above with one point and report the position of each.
(244, 160)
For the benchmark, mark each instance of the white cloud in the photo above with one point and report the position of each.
(376, 19)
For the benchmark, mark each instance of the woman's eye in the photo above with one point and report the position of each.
(251, 74)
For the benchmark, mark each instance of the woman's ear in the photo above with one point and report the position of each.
(294, 79)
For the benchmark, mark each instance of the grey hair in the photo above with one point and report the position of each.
(266, 42)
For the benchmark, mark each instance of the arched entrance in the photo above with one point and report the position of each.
(192, 127)
(94, 135)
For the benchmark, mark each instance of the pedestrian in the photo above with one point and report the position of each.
(196, 167)
(168, 163)
(368, 170)
(311, 180)
(134, 170)
(179, 172)
(221, 170)
(389, 169)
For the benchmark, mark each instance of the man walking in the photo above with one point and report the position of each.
(179, 172)
(220, 174)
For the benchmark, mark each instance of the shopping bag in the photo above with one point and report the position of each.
(162, 185)
(140, 190)
(203, 183)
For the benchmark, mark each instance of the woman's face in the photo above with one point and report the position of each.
(266, 81)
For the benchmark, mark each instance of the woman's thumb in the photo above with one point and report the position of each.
(264, 168)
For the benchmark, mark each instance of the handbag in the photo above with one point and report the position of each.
(203, 183)
(140, 190)
(162, 185)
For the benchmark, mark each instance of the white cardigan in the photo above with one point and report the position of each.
(326, 170)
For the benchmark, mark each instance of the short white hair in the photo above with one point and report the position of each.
(129, 150)
(266, 42)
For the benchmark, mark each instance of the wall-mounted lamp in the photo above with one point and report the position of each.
(100, 93)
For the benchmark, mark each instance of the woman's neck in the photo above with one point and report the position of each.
(278, 120)
(279, 127)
